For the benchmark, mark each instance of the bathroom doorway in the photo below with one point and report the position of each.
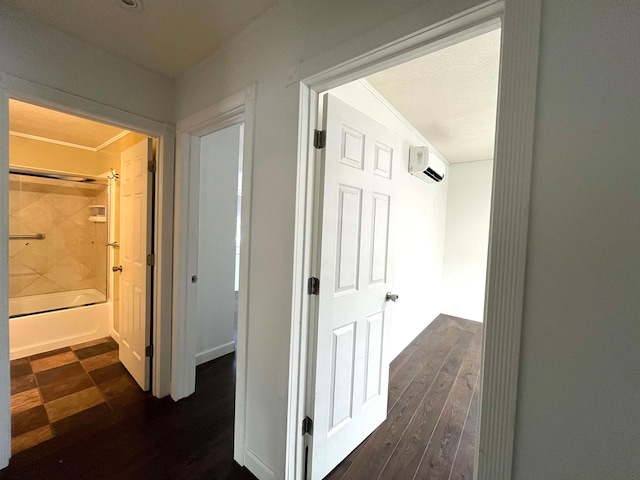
(80, 270)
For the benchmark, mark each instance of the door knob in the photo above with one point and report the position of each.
(391, 296)
(119, 269)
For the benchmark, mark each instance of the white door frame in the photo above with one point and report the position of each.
(233, 110)
(23, 90)
(509, 208)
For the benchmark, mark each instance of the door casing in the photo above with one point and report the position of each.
(238, 108)
(520, 23)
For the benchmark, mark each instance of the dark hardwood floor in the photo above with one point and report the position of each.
(431, 426)
(151, 439)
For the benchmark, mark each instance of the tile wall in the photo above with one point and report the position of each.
(73, 255)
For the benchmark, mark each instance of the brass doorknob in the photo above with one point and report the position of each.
(117, 269)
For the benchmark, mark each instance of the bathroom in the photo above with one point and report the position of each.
(64, 296)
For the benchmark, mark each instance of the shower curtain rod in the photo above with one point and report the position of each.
(60, 175)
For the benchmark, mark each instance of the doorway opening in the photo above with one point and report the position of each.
(81, 196)
(506, 251)
(401, 231)
(212, 238)
(218, 242)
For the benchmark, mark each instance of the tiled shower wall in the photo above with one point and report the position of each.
(73, 255)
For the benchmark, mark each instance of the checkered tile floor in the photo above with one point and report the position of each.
(58, 391)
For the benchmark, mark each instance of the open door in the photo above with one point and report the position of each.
(135, 276)
(356, 274)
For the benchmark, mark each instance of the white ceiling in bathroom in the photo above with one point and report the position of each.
(166, 36)
(449, 96)
(26, 119)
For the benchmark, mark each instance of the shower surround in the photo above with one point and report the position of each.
(72, 256)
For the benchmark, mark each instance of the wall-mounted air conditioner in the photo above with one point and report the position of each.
(426, 165)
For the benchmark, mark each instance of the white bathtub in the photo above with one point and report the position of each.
(54, 301)
(63, 322)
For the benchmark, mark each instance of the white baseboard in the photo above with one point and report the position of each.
(257, 466)
(215, 352)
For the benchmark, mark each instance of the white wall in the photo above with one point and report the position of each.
(579, 385)
(420, 211)
(47, 57)
(216, 304)
(467, 239)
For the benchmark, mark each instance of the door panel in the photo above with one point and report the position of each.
(373, 355)
(348, 248)
(342, 368)
(135, 243)
(379, 239)
(356, 271)
(352, 148)
(382, 160)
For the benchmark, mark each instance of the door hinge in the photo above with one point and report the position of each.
(307, 426)
(152, 166)
(313, 286)
(151, 259)
(319, 138)
(148, 352)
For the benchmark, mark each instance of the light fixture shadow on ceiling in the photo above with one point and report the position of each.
(131, 4)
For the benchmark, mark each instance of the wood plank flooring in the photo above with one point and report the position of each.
(431, 426)
(151, 439)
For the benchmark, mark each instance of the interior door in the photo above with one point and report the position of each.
(356, 272)
(135, 243)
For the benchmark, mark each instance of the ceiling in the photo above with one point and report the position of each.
(33, 121)
(449, 96)
(166, 36)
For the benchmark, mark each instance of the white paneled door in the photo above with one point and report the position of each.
(356, 272)
(135, 244)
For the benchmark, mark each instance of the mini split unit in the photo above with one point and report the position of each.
(426, 165)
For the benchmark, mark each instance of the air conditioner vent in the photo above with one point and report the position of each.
(426, 165)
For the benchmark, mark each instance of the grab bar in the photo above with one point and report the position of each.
(35, 236)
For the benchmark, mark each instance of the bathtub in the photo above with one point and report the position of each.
(66, 319)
